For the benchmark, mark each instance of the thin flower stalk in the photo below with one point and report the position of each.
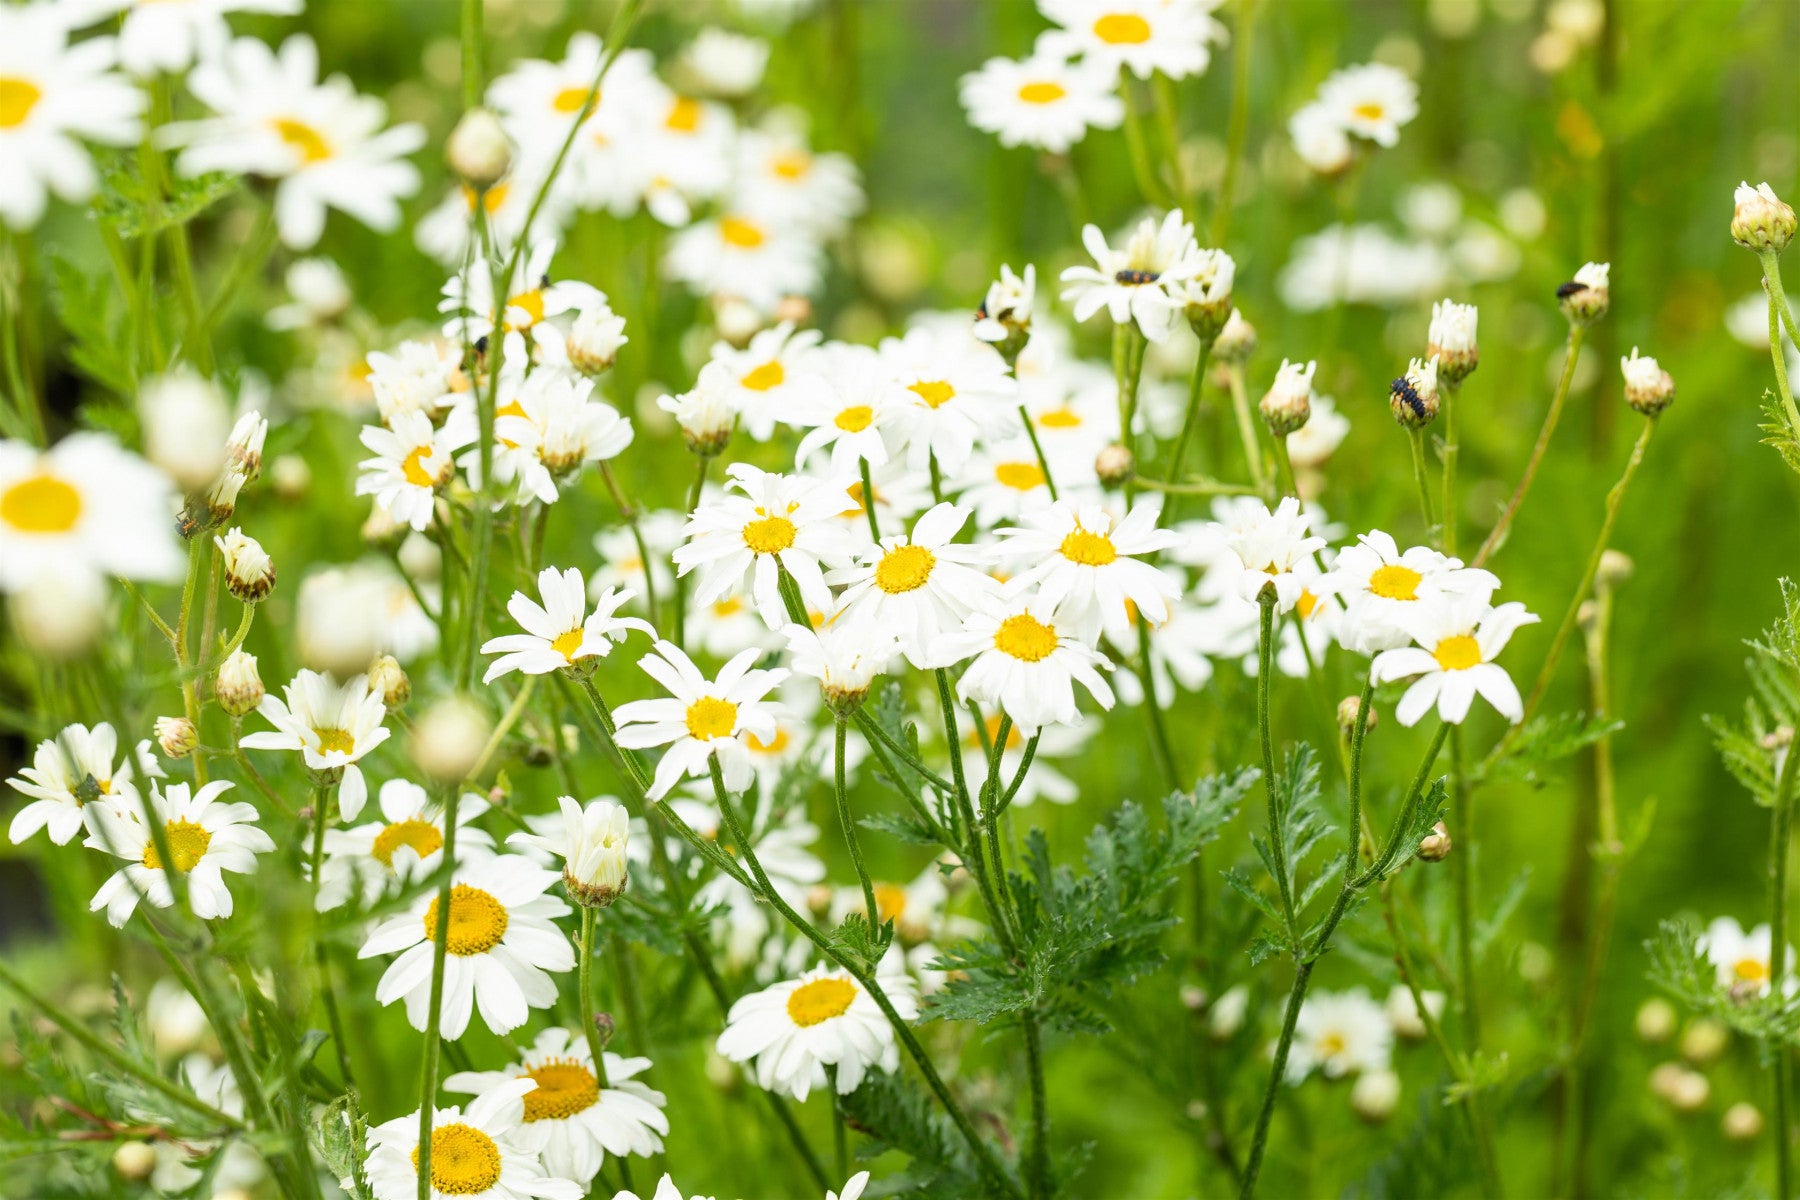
(1497, 535)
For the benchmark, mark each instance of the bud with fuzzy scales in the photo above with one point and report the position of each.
(176, 736)
(1759, 219)
(1347, 710)
(1451, 340)
(1585, 298)
(134, 1160)
(238, 687)
(1413, 397)
(1435, 847)
(1287, 405)
(1648, 388)
(706, 415)
(478, 150)
(249, 572)
(244, 449)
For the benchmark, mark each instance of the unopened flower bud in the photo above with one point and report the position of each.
(134, 1160)
(595, 338)
(244, 450)
(1704, 1041)
(176, 736)
(1236, 341)
(736, 321)
(1004, 318)
(1375, 1095)
(1648, 388)
(1742, 1122)
(215, 508)
(1287, 405)
(1451, 340)
(1114, 465)
(1193, 998)
(1615, 568)
(1759, 220)
(1689, 1092)
(1585, 298)
(238, 688)
(249, 572)
(593, 846)
(706, 415)
(448, 738)
(1655, 1020)
(478, 150)
(1348, 709)
(1207, 293)
(1664, 1077)
(1228, 1012)
(1413, 397)
(388, 680)
(1403, 1012)
(605, 1028)
(794, 309)
(1435, 846)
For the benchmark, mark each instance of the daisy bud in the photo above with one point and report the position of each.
(1742, 1122)
(184, 421)
(1347, 711)
(244, 450)
(1413, 398)
(291, 478)
(1704, 1041)
(447, 740)
(478, 150)
(1451, 340)
(735, 321)
(1004, 318)
(59, 614)
(1375, 1095)
(1689, 1092)
(595, 338)
(1236, 341)
(216, 507)
(176, 736)
(388, 680)
(1207, 293)
(381, 531)
(1114, 465)
(605, 1027)
(134, 1160)
(1287, 405)
(1760, 221)
(249, 572)
(1403, 1012)
(1648, 388)
(592, 847)
(1655, 1020)
(1435, 847)
(1585, 298)
(1615, 568)
(705, 415)
(1664, 1079)
(238, 687)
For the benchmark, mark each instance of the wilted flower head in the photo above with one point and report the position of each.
(595, 338)
(705, 414)
(845, 657)
(1237, 341)
(238, 688)
(1207, 290)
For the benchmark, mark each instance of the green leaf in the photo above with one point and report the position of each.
(907, 829)
(92, 312)
(127, 202)
(1544, 740)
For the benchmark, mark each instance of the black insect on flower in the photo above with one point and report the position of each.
(1136, 277)
(1407, 394)
(1570, 288)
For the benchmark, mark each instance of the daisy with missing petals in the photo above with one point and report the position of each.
(961, 393)
(1140, 283)
(775, 522)
(1084, 566)
(1270, 546)
(916, 586)
(797, 1028)
(1044, 100)
(204, 839)
(1741, 957)
(332, 726)
(405, 846)
(771, 378)
(57, 781)
(502, 940)
(1144, 36)
(1458, 639)
(703, 718)
(1380, 587)
(412, 461)
(1371, 101)
(1027, 660)
(484, 1152)
(571, 1121)
(84, 505)
(561, 632)
(1340, 1033)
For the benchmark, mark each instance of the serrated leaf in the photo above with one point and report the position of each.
(898, 825)
(1545, 740)
(127, 203)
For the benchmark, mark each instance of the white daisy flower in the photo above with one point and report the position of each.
(726, 64)
(1146, 37)
(156, 38)
(323, 141)
(775, 522)
(331, 726)
(1270, 547)
(319, 295)
(1320, 139)
(57, 777)
(1044, 100)
(448, 232)
(502, 940)
(537, 100)
(412, 461)
(622, 565)
(916, 586)
(1027, 660)
(747, 255)
(1371, 100)
(1380, 586)
(797, 1028)
(54, 96)
(405, 846)
(703, 719)
(1340, 1033)
(205, 839)
(593, 844)
(780, 178)
(1458, 639)
(1742, 957)
(559, 429)
(571, 1121)
(858, 423)
(845, 657)
(665, 1190)
(560, 632)
(85, 505)
(1084, 565)
(417, 377)
(1139, 283)
(1006, 308)
(483, 1152)
(961, 390)
(531, 298)
(770, 379)
(1003, 482)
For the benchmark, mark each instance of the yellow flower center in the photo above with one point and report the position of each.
(775, 745)
(1042, 93)
(464, 1160)
(1014, 739)
(769, 535)
(1122, 29)
(512, 408)
(566, 644)
(770, 375)
(791, 165)
(820, 1000)
(532, 303)
(570, 99)
(890, 901)
(335, 739)
(711, 717)
(1394, 582)
(1306, 605)
(477, 923)
(412, 466)
(1751, 970)
(934, 392)
(730, 606)
(187, 845)
(17, 98)
(855, 419)
(564, 1088)
(1458, 653)
(904, 569)
(1331, 1044)
(745, 235)
(684, 115)
(1025, 638)
(1019, 476)
(1088, 549)
(1369, 110)
(40, 503)
(309, 142)
(422, 836)
(1060, 418)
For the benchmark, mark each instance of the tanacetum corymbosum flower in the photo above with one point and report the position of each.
(204, 837)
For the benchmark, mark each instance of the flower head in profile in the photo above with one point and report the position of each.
(483, 1151)
(795, 1029)
(558, 428)
(1270, 546)
(1027, 659)
(560, 634)
(1005, 312)
(1139, 283)
(76, 767)
(846, 657)
(591, 842)
(331, 725)
(204, 838)
(702, 719)
(1456, 641)
(1090, 568)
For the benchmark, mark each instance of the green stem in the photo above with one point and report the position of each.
(324, 796)
(849, 824)
(1417, 438)
(1191, 420)
(1037, 1156)
(1240, 406)
(1452, 397)
(1238, 124)
(1780, 838)
(1571, 356)
(1462, 870)
(1265, 662)
(440, 945)
(1037, 448)
(868, 497)
(693, 502)
(1284, 466)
